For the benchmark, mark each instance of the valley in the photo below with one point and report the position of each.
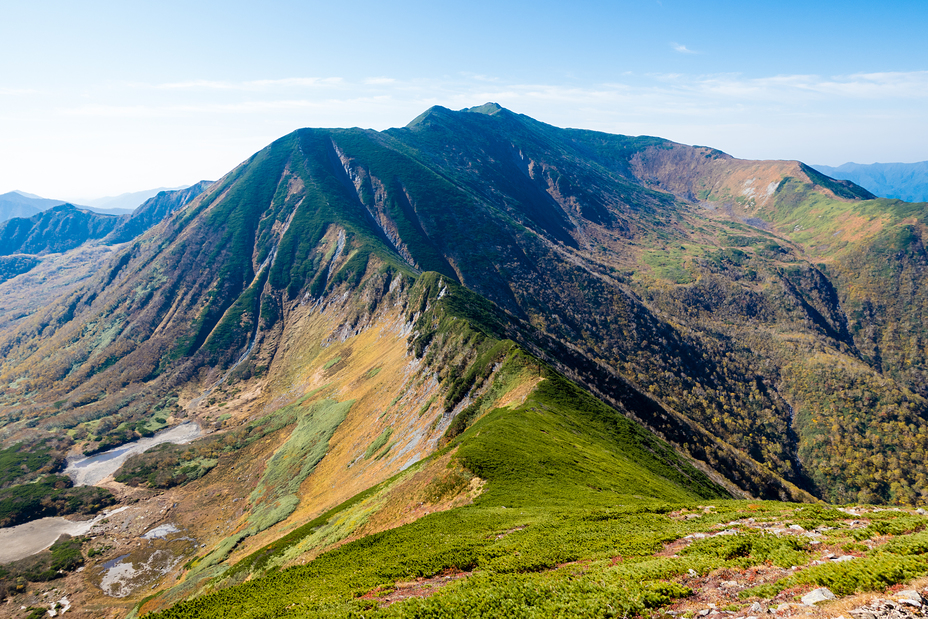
(532, 370)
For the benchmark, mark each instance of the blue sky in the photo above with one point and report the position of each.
(100, 98)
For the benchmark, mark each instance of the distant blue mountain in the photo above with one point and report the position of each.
(904, 181)
(19, 204)
(125, 203)
(66, 226)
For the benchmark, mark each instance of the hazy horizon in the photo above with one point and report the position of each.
(113, 98)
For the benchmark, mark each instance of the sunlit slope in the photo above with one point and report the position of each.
(685, 285)
(376, 404)
(548, 468)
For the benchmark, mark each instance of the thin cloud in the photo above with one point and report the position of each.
(682, 48)
(890, 85)
(662, 101)
(251, 85)
(149, 111)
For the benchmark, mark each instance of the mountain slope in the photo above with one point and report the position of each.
(53, 231)
(128, 201)
(65, 226)
(626, 257)
(17, 204)
(339, 309)
(510, 470)
(152, 211)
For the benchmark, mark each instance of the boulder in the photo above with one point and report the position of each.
(822, 594)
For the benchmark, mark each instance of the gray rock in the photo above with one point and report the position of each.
(822, 594)
(728, 584)
(910, 597)
(757, 608)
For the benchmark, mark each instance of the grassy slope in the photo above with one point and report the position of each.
(572, 522)
(553, 467)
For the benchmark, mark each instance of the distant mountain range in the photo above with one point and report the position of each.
(65, 226)
(127, 201)
(22, 204)
(903, 181)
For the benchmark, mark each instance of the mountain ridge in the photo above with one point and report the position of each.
(358, 301)
(410, 228)
(64, 227)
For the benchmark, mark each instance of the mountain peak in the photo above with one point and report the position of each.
(438, 111)
(27, 195)
(489, 108)
(422, 118)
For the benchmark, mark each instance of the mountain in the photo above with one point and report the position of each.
(905, 181)
(128, 202)
(624, 261)
(153, 210)
(58, 229)
(19, 204)
(109, 211)
(65, 227)
(483, 342)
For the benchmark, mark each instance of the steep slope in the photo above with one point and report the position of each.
(512, 461)
(152, 211)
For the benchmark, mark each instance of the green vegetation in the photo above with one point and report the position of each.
(532, 558)
(11, 266)
(296, 458)
(544, 504)
(275, 496)
(378, 443)
(668, 263)
(52, 495)
(168, 465)
(22, 462)
(63, 556)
